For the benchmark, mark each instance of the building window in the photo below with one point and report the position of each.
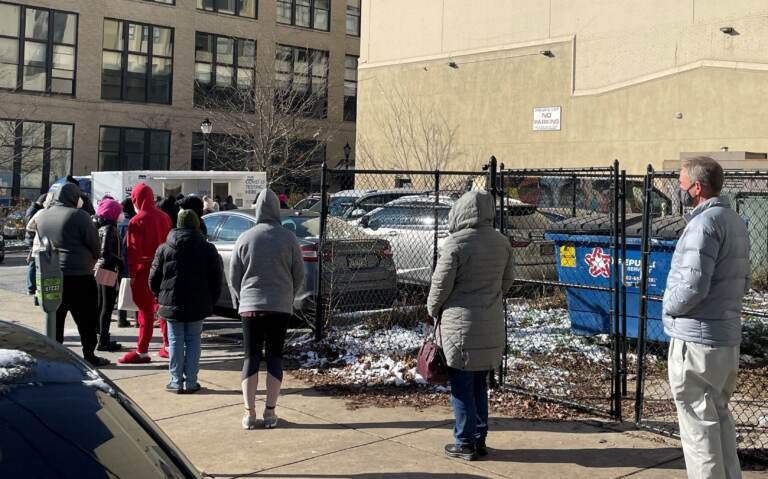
(353, 17)
(134, 149)
(167, 2)
(298, 169)
(301, 74)
(241, 8)
(315, 14)
(225, 152)
(37, 49)
(222, 63)
(33, 155)
(137, 62)
(350, 88)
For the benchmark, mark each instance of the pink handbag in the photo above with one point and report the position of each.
(105, 277)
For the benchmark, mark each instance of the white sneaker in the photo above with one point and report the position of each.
(249, 422)
(270, 419)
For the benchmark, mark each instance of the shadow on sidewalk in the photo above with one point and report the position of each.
(365, 475)
(610, 457)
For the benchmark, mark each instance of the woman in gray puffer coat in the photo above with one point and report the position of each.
(473, 270)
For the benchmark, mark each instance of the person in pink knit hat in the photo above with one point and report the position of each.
(107, 216)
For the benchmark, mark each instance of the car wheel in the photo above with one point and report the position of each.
(2, 258)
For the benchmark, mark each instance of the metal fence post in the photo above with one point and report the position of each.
(573, 195)
(622, 283)
(319, 304)
(615, 273)
(642, 314)
(503, 230)
(436, 234)
(494, 190)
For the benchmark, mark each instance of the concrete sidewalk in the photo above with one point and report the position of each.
(318, 437)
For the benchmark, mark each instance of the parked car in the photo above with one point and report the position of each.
(351, 205)
(307, 202)
(61, 418)
(359, 269)
(409, 225)
(14, 226)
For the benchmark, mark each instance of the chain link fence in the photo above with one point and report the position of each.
(748, 195)
(380, 243)
(562, 312)
(583, 322)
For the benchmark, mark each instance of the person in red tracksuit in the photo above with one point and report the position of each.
(146, 232)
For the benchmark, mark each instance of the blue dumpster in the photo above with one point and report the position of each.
(584, 256)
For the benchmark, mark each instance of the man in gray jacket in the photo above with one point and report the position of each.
(708, 279)
(72, 232)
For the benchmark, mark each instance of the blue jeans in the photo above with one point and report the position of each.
(469, 399)
(184, 351)
(31, 276)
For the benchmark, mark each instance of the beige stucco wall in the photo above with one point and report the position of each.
(88, 111)
(621, 72)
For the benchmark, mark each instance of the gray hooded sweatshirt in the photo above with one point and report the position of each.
(266, 270)
(473, 270)
(71, 231)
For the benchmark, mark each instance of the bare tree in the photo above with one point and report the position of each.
(272, 127)
(412, 134)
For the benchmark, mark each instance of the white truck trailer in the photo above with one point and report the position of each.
(243, 186)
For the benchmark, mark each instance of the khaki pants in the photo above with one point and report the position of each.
(702, 380)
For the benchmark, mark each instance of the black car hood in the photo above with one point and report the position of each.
(58, 418)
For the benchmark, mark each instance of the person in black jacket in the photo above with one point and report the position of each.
(72, 232)
(186, 278)
(169, 207)
(107, 214)
(122, 227)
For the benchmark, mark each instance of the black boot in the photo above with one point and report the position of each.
(105, 344)
(461, 452)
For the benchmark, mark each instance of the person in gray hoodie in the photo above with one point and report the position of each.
(708, 278)
(474, 269)
(266, 271)
(72, 232)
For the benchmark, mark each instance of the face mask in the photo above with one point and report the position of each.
(79, 203)
(685, 196)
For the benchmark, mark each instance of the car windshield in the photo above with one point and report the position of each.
(309, 227)
(339, 204)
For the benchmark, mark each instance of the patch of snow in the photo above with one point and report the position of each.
(99, 384)
(14, 364)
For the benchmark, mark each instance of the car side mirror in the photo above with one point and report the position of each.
(364, 221)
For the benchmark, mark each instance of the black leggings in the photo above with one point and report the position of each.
(79, 297)
(267, 329)
(107, 299)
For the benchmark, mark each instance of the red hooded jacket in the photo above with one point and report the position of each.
(146, 232)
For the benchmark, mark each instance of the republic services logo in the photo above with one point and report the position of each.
(599, 263)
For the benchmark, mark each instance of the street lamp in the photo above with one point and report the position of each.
(205, 127)
(347, 150)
